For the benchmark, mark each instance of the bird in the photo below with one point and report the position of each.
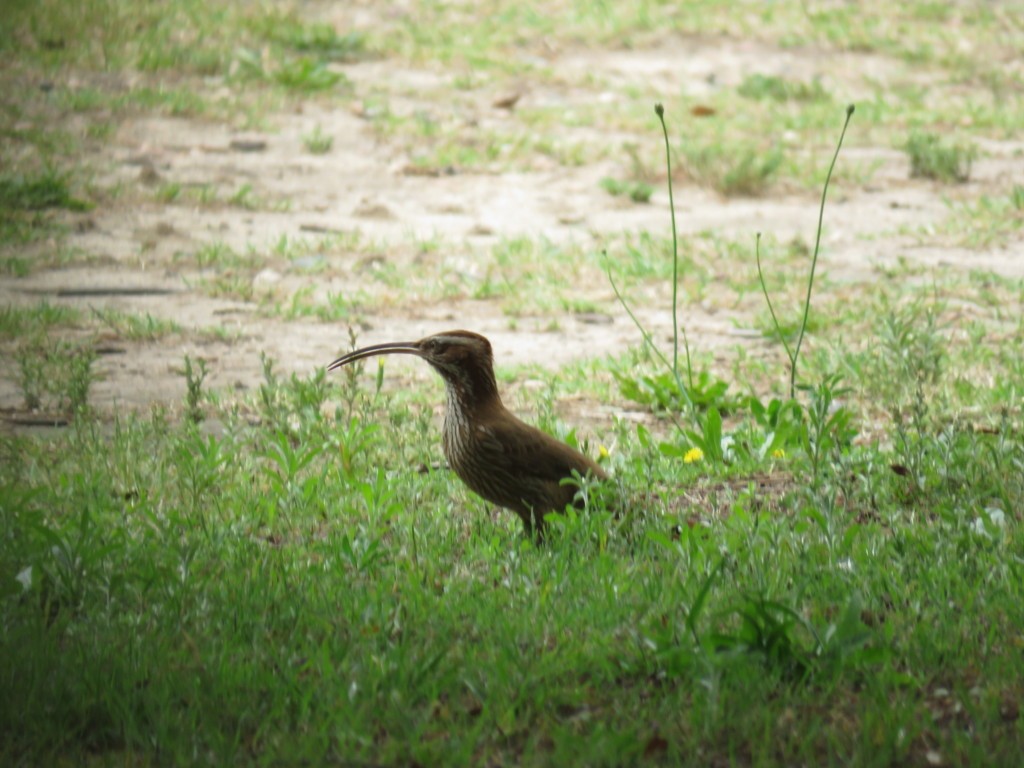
(499, 457)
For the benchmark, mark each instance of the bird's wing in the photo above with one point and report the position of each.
(518, 446)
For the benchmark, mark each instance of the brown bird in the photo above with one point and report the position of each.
(507, 462)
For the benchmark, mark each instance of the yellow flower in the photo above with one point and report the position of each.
(778, 453)
(693, 455)
(602, 453)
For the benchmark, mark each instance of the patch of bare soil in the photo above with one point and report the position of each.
(141, 251)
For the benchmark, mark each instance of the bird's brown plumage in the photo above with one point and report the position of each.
(501, 458)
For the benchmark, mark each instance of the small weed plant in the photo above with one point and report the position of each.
(933, 158)
(733, 171)
(55, 376)
(317, 142)
(195, 375)
(637, 191)
(702, 399)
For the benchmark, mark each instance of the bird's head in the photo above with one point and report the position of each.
(463, 358)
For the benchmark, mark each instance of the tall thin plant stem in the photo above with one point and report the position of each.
(659, 110)
(768, 300)
(649, 342)
(814, 260)
(794, 353)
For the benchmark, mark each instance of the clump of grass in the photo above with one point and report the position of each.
(776, 88)
(23, 203)
(308, 75)
(933, 158)
(35, 193)
(195, 375)
(637, 191)
(733, 171)
(245, 197)
(135, 327)
(180, 101)
(318, 142)
(984, 222)
(169, 192)
(15, 266)
(315, 39)
(30, 322)
(32, 378)
(55, 374)
(74, 394)
(1017, 197)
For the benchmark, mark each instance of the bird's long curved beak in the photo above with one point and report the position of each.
(391, 348)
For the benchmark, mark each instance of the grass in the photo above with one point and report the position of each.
(317, 142)
(194, 38)
(24, 201)
(780, 89)
(49, 190)
(18, 322)
(55, 375)
(287, 574)
(135, 327)
(637, 191)
(295, 590)
(932, 158)
(733, 171)
(985, 222)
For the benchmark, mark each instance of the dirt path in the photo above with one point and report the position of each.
(141, 252)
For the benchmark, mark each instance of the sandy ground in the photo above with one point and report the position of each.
(134, 245)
